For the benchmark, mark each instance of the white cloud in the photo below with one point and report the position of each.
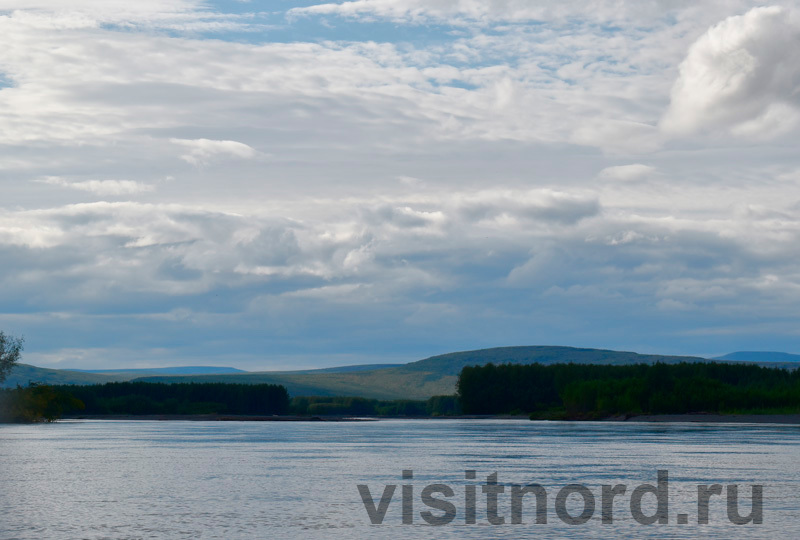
(618, 136)
(543, 205)
(741, 76)
(495, 10)
(184, 15)
(123, 8)
(627, 173)
(451, 179)
(100, 187)
(202, 151)
(540, 84)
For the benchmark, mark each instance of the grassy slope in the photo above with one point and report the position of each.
(379, 384)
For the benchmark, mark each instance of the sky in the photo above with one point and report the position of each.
(282, 185)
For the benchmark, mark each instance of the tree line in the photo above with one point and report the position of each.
(45, 403)
(358, 406)
(180, 398)
(592, 391)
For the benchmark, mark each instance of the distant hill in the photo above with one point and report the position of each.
(184, 370)
(760, 357)
(424, 378)
(346, 369)
(417, 380)
(452, 363)
(22, 374)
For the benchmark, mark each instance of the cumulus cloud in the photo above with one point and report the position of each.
(404, 217)
(742, 76)
(419, 195)
(202, 151)
(546, 206)
(100, 187)
(453, 249)
(176, 248)
(538, 83)
(626, 173)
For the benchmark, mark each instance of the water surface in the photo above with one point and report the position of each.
(244, 480)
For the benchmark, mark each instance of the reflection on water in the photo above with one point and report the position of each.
(98, 479)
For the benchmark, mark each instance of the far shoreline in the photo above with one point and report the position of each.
(218, 418)
(693, 418)
(711, 418)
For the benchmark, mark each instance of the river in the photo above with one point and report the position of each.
(246, 480)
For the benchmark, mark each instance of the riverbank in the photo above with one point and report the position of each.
(280, 418)
(712, 418)
(216, 418)
(642, 418)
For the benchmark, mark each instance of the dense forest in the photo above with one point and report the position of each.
(593, 391)
(37, 403)
(182, 398)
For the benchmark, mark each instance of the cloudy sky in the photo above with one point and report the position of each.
(278, 184)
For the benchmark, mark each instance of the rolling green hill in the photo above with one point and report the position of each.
(452, 363)
(422, 379)
(436, 375)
